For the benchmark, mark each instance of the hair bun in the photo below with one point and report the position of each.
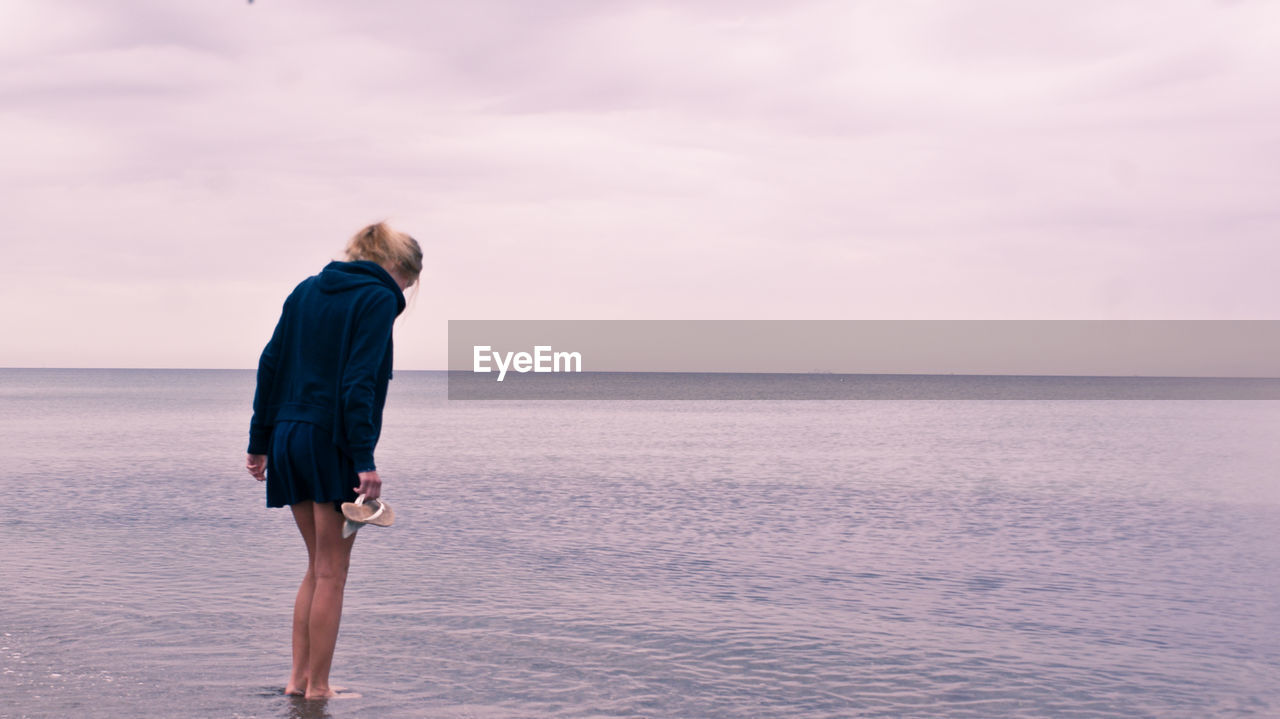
(390, 248)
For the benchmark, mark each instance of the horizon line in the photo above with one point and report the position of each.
(796, 372)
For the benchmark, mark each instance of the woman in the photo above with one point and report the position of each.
(317, 414)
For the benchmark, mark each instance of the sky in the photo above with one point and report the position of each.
(172, 170)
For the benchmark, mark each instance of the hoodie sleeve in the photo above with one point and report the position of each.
(368, 349)
(260, 424)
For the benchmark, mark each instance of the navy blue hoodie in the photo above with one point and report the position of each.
(329, 359)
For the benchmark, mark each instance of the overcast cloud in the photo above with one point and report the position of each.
(173, 169)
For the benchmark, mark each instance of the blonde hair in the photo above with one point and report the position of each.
(390, 248)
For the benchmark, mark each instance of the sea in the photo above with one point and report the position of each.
(651, 558)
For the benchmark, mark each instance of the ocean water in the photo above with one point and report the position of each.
(896, 558)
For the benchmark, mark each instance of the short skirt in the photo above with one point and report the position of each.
(304, 464)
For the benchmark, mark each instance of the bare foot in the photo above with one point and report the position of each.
(293, 691)
(333, 693)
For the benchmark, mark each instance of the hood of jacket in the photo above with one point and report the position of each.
(339, 277)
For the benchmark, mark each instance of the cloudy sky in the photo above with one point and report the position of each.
(171, 170)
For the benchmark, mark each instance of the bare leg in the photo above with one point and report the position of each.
(332, 558)
(304, 516)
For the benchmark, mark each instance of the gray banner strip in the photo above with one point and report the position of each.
(864, 359)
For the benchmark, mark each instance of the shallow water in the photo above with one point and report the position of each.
(651, 559)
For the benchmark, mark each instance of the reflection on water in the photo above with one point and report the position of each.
(300, 708)
(683, 559)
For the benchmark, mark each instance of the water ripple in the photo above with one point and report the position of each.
(572, 560)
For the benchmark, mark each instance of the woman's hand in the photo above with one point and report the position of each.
(257, 465)
(370, 485)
